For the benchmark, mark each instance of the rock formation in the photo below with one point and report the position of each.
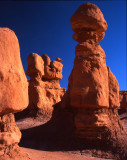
(13, 95)
(123, 101)
(13, 82)
(44, 87)
(93, 90)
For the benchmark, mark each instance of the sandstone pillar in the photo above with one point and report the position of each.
(93, 91)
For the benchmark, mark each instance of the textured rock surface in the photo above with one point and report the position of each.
(13, 95)
(35, 66)
(13, 82)
(9, 132)
(10, 136)
(44, 87)
(123, 101)
(52, 69)
(93, 91)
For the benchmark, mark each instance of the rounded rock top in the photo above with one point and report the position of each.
(88, 17)
(58, 59)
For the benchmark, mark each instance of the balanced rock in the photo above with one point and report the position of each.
(13, 82)
(93, 90)
(13, 95)
(44, 87)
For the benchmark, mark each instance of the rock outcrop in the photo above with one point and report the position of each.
(44, 87)
(93, 90)
(13, 95)
(13, 82)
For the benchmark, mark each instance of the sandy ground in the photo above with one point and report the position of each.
(46, 155)
(40, 154)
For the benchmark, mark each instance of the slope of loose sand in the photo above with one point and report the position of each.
(46, 155)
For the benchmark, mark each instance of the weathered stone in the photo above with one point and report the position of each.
(52, 69)
(9, 132)
(44, 87)
(88, 17)
(13, 82)
(93, 90)
(35, 66)
(113, 90)
(123, 101)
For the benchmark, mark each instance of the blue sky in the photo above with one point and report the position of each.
(44, 27)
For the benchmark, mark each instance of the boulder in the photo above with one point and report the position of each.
(13, 95)
(13, 82)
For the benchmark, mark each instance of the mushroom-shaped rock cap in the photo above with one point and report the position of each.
(13, 82)
(88, 17)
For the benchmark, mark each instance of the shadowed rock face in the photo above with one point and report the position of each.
(44, 87)
(13, 82)
(123, 101)
(93, 90)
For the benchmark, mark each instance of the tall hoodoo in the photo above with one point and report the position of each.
(93, 90)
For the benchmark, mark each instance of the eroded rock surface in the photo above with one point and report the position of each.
(13, 95)
(44, 87)
(13, 82)
(123, 101)
(93, 90)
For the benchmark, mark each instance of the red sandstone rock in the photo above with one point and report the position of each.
(10, 136)
(9, 132)
(35, 66)
(44, 90)
(113, 90)
(13, 82)
(93, 91)
(52, 69)
(123, 101)
(13, 95)
(89, 17)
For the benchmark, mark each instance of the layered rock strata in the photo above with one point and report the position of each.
(44, 87)
(93, 90)
(13, 95)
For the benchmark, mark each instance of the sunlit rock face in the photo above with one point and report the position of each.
(13, 95)
(93, 90)
(13, 82)
(44, 87)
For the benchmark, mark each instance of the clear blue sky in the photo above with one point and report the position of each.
(44, 27)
